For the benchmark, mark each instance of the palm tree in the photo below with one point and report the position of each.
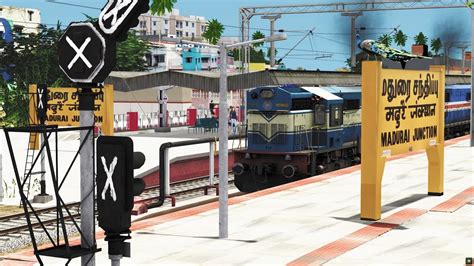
(159, 7)
(385, 39)
(258, 35)
(421, 39)
(401, 38)
(436, 45)
(214, 31)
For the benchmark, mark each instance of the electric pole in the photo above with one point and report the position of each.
(353, 16)
(463, 56)
(272, 19)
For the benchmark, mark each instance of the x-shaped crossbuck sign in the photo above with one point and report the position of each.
(116, 9)
(79, 52)
(40, 98)
(109, 182)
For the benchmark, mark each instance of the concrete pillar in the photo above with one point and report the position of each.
(86, 105)
(472, 80)
(223, 146)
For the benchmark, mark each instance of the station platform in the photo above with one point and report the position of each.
(316, 221)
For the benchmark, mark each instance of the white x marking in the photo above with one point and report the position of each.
(109, 182)
(79, 52)
(40, 96)
(114, 11)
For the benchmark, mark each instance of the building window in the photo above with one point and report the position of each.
(187, 24)
(192, 34)
(148, 59)
(154, 32)
(189, 60)
(187, 34)
(30, 15)
(160, 58)
(166, 31)
(166, 21)
(192, 24)
(154, 23)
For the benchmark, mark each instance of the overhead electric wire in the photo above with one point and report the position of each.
(298, 43)
(69, 4)
(328, 39)
(304, 50)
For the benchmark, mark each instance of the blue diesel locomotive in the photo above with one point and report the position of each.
(294, 132)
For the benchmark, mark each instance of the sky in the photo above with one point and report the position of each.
(331, 34)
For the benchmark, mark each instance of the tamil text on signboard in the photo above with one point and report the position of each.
(402, 111)
(63, 107)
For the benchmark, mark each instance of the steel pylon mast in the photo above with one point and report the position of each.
(247, 13)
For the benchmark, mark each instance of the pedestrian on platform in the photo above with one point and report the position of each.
(233, 119)
(211, 107)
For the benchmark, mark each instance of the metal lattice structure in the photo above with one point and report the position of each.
(247, 13)
(381, 5)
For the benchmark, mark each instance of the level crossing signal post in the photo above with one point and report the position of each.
(87, 54)
(116, 187)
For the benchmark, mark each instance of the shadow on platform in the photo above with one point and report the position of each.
(385, 208)
(202, 237)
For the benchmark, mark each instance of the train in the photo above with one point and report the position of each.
(295, 132)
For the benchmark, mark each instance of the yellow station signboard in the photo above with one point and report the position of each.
(63, 108)
(402, 111)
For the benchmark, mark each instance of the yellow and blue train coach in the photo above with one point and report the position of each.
(295, 132)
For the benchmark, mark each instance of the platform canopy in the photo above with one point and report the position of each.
(209, 81)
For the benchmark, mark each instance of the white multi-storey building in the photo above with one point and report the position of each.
(171, 25)
(25, 19)
(164, 56)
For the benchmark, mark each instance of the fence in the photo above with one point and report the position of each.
(150, 120)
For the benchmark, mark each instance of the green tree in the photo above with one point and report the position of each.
(131, 53)
(269, 51)
(385, 39)
(159, 7)
(213, 31)
(421, 39)
(436, 45)
(258, 35)
(401, 38)
(32, 59)
(257, 56)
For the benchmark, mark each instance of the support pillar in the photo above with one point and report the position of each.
(86, 107)
(472, 80)
(43, 197)
(223, 147)
(162, 114)
(353, 16)
(272, 19)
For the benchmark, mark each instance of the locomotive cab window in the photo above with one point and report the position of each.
(468, 97)
(446, 97)
(335, 115)
(319, 114)
(351, 104)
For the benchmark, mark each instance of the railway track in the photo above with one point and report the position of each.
(15, 226)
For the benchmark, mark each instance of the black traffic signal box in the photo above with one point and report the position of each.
(116, 185)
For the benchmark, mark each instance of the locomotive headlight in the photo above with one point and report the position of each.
(267, 93)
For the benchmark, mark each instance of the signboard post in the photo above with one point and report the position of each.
(403, 111)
